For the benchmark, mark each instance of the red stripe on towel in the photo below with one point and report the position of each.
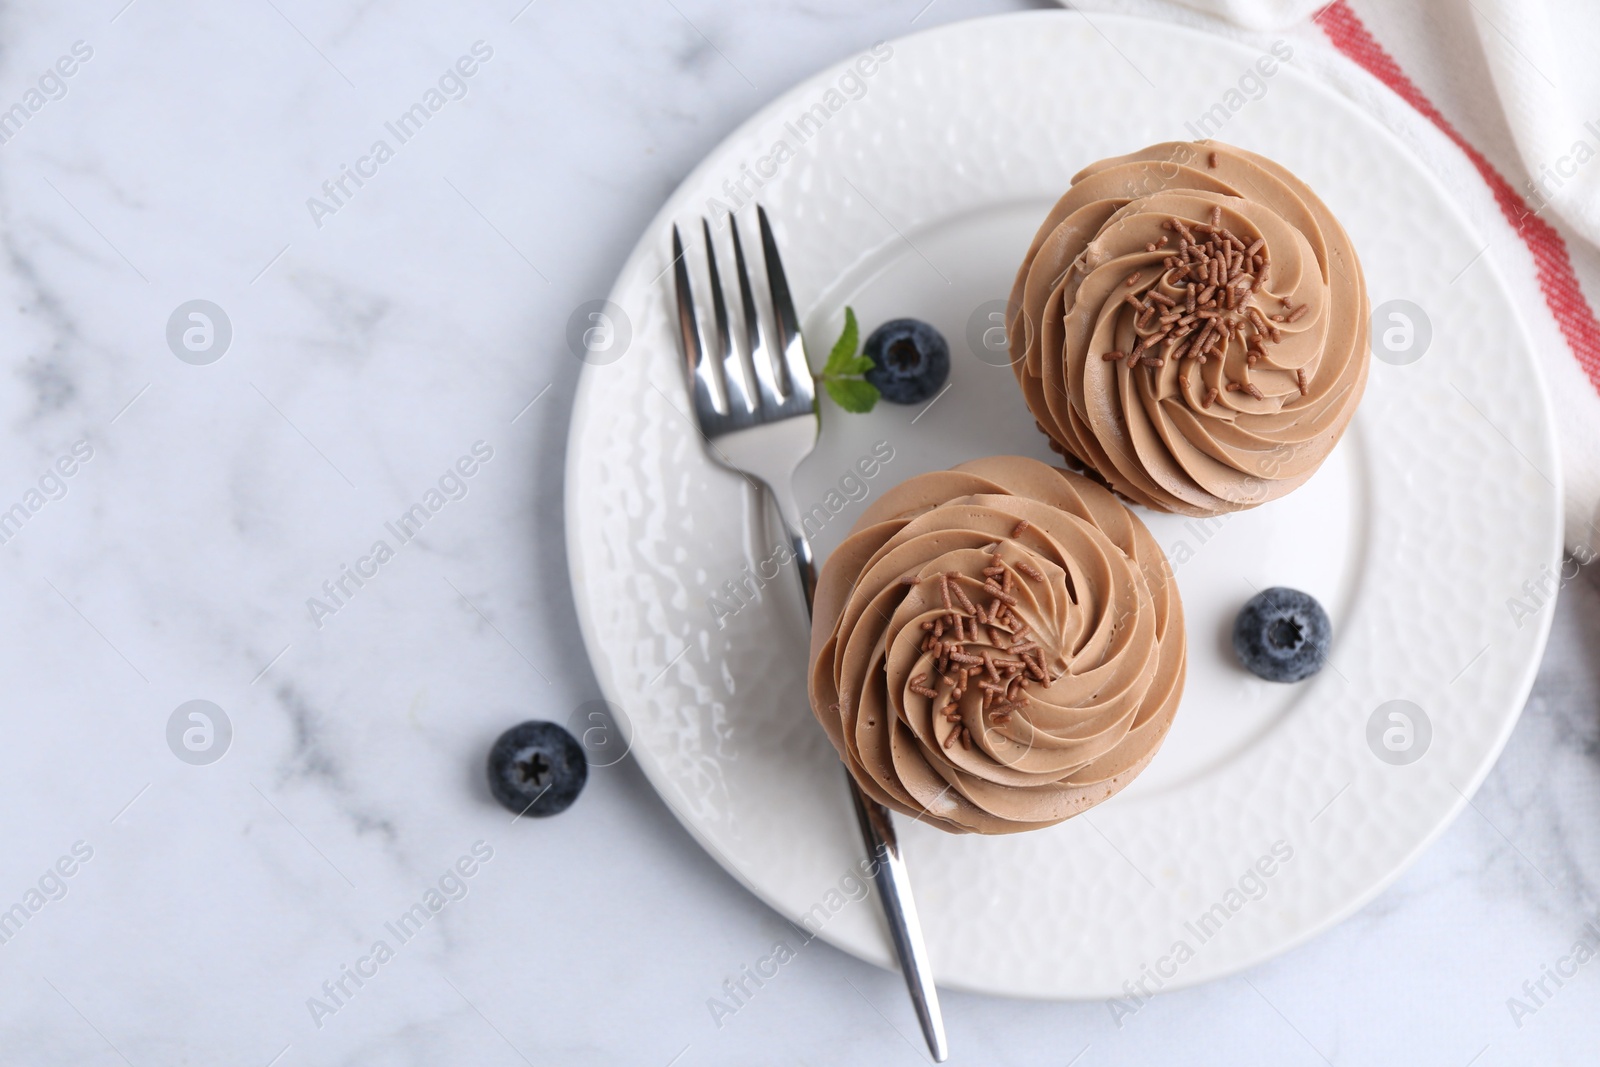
(1550, 260)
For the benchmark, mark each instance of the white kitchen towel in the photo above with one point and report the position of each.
(1501, 100)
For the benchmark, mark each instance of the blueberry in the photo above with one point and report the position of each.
(1282, 635)
(910, 360)
(537, 768)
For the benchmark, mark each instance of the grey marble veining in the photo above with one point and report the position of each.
(426, 314)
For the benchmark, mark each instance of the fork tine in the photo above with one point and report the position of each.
(755, 331)
(705, 404)
(797, 372)
(734, 385)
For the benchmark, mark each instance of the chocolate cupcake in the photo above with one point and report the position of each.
(996, 647)
(1190, 325)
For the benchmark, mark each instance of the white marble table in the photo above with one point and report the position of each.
(375, 339)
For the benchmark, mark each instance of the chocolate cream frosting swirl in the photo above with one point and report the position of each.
(1178, 405)
(996, 647)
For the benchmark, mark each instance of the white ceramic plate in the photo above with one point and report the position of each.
(914, 191)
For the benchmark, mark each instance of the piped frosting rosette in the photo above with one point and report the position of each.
(1190, 324)
(996, 647)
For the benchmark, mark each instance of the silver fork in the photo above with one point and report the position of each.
(764, 433)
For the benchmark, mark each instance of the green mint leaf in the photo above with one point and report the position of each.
(852, 394)
(849, 368)
(844, 349)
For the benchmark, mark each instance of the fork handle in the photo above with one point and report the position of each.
(900, 908)
(883, 848)
(805, 565)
